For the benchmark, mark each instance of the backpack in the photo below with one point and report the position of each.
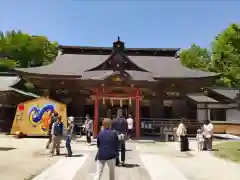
(58, 129)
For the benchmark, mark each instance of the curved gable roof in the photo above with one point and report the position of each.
(142, 64)
(77, 64)
(120, 59)
(168, 67)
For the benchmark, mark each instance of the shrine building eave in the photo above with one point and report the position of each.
(6, 82)
(34, 73)
(76, 66)
(142, 64)
(170, 52)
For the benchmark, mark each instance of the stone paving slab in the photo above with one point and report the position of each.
(64, 169)
(165, 169)
(157, 161)
(134, 170)
(196, 165)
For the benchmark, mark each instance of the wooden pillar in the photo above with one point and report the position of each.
(46, 93)
(96, 114)
(137, 113)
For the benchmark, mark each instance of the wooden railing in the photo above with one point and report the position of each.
(159, 126)
(156, 126)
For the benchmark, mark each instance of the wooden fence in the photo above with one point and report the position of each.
(155, 126)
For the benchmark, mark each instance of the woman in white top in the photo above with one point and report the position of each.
(130, 126)
(182, 133)
(208, 135)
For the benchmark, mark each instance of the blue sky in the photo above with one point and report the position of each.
(157, 24)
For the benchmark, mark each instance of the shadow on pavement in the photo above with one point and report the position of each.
(127, 150)
(6, 148)
(130, 165)
(77, 155)
(211, 150)
(74, 155)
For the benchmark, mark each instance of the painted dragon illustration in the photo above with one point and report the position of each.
(42, 115)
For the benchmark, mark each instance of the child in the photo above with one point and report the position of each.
(200, 139)
(69, 135)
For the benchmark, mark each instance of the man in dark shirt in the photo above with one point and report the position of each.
(107, 143)
(120, 126)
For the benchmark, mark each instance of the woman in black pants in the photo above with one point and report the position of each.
(182, 133)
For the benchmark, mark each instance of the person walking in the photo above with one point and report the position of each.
(120, 126)
(57, 134)
(69, 133)
(53, 120)
(182, 133)
(107, 143)
(88, 129)
(130, 126)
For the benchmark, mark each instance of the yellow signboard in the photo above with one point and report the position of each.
(33, 117)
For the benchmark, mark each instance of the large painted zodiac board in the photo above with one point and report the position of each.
(33, 117)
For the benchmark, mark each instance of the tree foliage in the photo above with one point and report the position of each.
(195, 57)
(7, 65)
(226, 55)
(27, 50)
(223, 56)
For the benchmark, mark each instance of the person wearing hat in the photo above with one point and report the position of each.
(69, 132)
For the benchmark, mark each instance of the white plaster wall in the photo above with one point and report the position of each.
(233, 115)
(201, 115)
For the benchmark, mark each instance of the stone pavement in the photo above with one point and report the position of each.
(204, 166)
(194, 165)
(83, 166)
(142, 165)
(134, 168)
(26, 158)
(146, 161)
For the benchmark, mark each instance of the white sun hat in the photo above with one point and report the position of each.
(71, 118)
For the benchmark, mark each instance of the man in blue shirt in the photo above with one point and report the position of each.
(107, 143)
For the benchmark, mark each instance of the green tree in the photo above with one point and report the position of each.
(7, 65)
(27, 50)
(195, 57)
(226, 55)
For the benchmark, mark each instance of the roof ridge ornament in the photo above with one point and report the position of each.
(118, 46)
